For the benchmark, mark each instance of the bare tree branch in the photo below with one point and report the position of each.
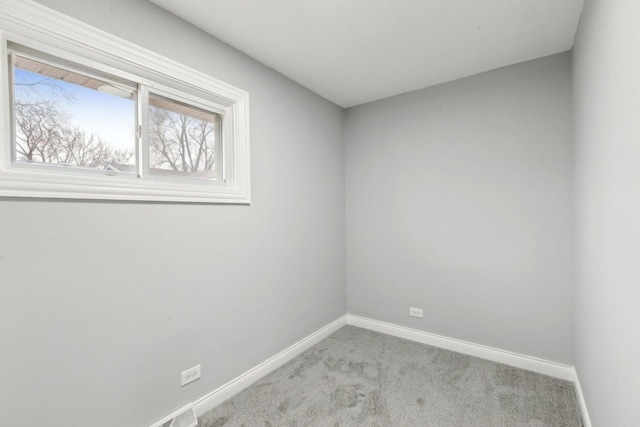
(180, 142)
(44, 134)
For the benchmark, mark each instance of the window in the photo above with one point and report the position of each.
(89, 116)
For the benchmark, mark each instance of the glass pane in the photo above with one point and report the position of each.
(183, 140)
(69, 119)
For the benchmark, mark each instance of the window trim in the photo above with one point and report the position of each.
(33, 25)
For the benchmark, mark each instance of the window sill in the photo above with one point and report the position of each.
(20, 184)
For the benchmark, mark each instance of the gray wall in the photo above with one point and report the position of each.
(607, 122)
(103, 304)
(459, 202)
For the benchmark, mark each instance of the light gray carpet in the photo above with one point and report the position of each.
(361, 378)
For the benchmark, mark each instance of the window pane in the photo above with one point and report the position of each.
(69, 119)
(183, 140)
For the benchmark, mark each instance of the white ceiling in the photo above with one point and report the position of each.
(356, 51)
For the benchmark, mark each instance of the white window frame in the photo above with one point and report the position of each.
(30, 24)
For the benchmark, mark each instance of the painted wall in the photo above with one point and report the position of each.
(459, 202)
(606, 66)
(102, 304)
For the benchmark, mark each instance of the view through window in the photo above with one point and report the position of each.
(183, 140)
(69, 119)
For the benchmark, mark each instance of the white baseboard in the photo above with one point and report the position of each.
(529, 363)
(219, 395)
(557, 370)
(582, 403)
(534, 364)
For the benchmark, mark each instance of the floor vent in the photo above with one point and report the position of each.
(184, 417)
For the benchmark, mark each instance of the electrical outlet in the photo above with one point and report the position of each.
(190, 375)
(415, 312)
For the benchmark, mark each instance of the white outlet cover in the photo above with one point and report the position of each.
(415, 312)
(190, 375)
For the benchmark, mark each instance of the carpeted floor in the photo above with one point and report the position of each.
(357, 377)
